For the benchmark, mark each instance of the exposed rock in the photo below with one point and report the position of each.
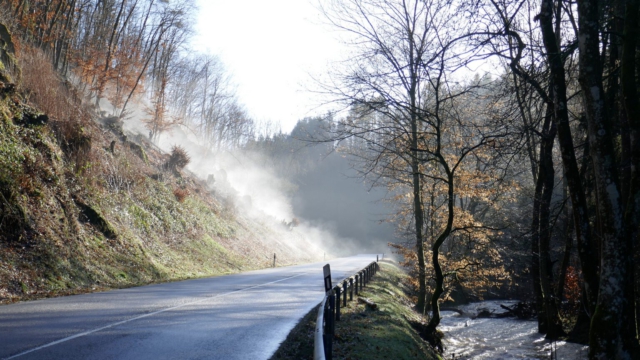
(7, 88)
(90, 215)
(35, 119)
(139, 151)
(14, 219)
(368, 303)
(113, 122)
(521, 310)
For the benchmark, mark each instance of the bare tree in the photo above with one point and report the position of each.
(386, 77)
(406, 111)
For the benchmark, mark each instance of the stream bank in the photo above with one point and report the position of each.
(471, 337)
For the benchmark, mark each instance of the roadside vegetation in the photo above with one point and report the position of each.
(388, 332)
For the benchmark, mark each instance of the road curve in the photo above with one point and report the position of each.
(241, 316)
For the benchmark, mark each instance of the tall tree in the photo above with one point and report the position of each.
(407, 112)
(606, 336)
(395, 39)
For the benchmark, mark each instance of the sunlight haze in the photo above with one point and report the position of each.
(271, 49)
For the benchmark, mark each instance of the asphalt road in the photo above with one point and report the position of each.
(242, 316)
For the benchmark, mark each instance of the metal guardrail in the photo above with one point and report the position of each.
(318, 340)
(329, 310)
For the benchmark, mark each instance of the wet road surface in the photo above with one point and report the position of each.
(241, 316)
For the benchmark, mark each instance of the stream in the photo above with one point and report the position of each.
(497, 339)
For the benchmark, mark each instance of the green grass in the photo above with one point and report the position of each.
(362, 333)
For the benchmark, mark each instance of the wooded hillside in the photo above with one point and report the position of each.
(84, 206)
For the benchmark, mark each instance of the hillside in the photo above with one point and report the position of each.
(86, 207)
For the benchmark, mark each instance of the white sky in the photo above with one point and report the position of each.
(270, 48)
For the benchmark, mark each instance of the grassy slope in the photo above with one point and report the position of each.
(385, 333)
(76, 217)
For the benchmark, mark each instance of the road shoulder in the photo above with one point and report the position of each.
(363, 333)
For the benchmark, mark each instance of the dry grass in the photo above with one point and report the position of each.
(43, 87)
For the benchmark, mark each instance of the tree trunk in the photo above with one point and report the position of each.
(419, 222)
(568, 245)
(439, 289)
(606, 339)
(547, 175)
(561, 119)
(629, 169)
(415, 168)
(535, 240)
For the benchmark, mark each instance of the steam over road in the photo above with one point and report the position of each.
(242, 316)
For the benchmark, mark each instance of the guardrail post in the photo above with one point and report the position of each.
(325, 328)
(333, 322)
(326, 323)
(329, 328)
(337, 303)
(351, 289)
(344, 293)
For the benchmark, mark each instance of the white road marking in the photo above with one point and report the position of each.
(88, 332)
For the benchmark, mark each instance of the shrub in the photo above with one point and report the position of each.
(179, 158)
(180, 194)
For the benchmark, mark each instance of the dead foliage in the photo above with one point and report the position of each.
(180, 194)
(43, 88)
(178, 159)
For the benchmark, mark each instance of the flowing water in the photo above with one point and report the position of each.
(497, 339)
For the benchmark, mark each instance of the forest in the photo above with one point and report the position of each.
(505, 134)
